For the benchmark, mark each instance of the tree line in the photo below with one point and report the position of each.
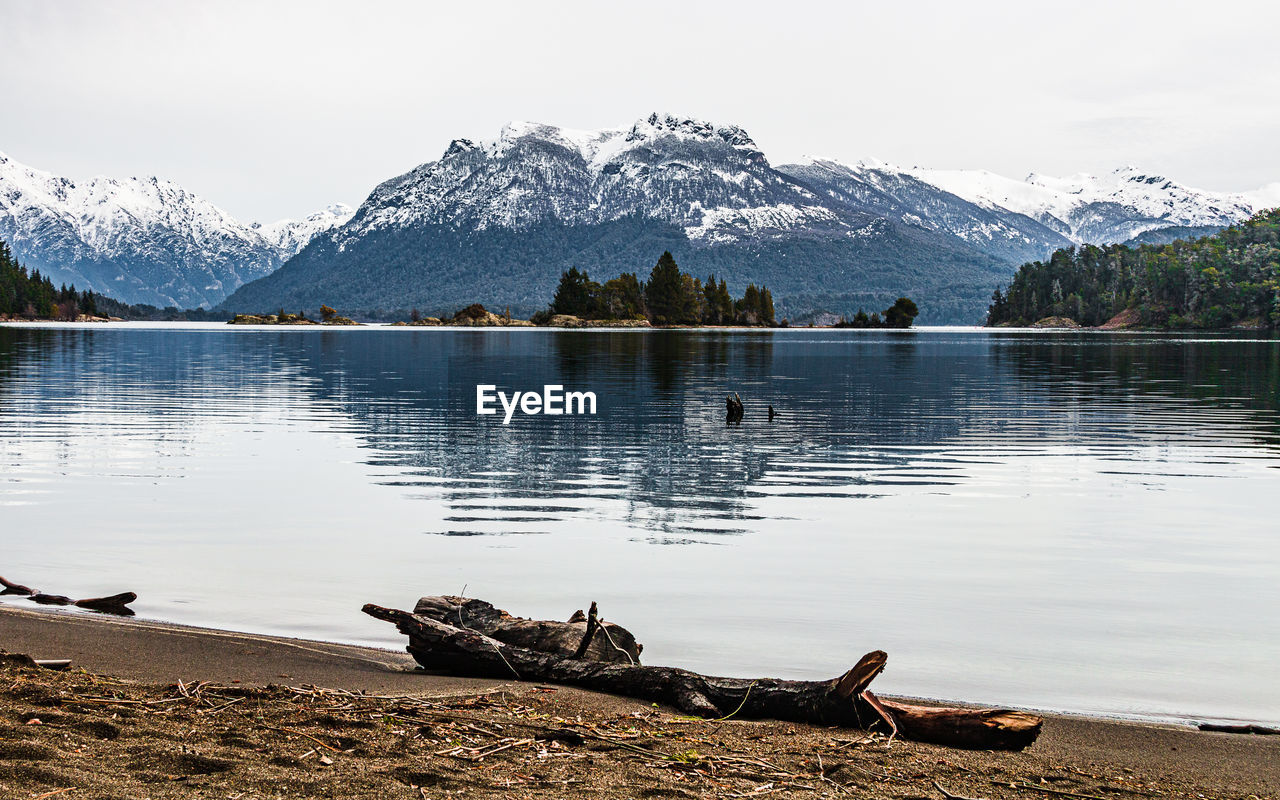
(1229, 278)
(31, 295)
(668, 297)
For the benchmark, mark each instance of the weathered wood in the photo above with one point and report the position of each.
(436, 644)
(15, 588)
(544, 636)
(593, 624)
(981, 728)
(114, 604)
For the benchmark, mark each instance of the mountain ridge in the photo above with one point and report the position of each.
(142, 240)
(1088, 209)
(825, 234)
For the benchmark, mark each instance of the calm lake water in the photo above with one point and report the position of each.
(1074, 521)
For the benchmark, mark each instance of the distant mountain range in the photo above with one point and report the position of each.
(142, 240)
(497, 221)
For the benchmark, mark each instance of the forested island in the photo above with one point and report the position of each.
(899, 315)
(1229, 279)
(669, 297)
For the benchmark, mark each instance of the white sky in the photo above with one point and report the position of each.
(274, 109)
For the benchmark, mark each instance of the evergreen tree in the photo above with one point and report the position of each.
(748, 307)
(766, 307)
(725, 306)
(577, 295)
(664, 292)
(713, 313)
(693, 307)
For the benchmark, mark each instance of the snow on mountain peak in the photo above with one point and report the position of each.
(1117, 206)
(289, 236)
(662, 166)
(602, 147)
(660, 124)
(105, 233)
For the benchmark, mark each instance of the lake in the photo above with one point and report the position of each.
(1056, 520)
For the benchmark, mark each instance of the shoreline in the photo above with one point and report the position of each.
(156, 654)
(223, 325)
(397, 660)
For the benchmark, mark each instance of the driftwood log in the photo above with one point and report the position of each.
(117, 604)
(1258, 730)
(438, 644)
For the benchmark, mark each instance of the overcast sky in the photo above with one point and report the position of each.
(274, 109)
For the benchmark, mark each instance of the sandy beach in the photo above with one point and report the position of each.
(154, 710)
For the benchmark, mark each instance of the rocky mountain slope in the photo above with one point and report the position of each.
(142, 240)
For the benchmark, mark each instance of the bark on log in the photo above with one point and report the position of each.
(613, 643)
(437, 644)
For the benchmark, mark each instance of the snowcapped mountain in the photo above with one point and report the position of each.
(497, 221)
(1118, 207)
(289, 236)
(885, 190)
(712, 182)
(141, 240)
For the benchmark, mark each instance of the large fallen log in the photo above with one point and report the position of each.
(842, 701)
(117, 604)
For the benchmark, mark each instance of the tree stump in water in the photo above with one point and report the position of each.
(733, 409)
